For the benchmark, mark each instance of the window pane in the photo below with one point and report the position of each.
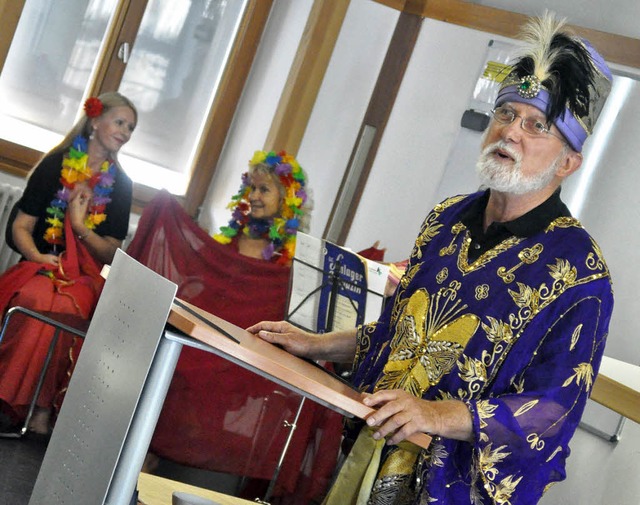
(48, 67)
(175, 67)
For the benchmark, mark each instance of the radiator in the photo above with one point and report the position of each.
(8, 196)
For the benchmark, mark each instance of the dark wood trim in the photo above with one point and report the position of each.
(614, 48)
(306, 75)
(377, 115)
(10, 12)
(226, 103)
(16, 159)
(123, 28)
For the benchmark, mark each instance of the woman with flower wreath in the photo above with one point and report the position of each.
(267, 210)
(217, 415)
(73, 215)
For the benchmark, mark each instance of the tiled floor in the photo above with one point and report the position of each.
(20, 461)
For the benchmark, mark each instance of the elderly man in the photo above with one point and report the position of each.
(497, 328)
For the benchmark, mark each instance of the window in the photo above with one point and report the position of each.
(172, 58)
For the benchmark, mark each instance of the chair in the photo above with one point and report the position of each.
(114, 397)
(61, 322)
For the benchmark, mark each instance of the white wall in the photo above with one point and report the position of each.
(342, 102)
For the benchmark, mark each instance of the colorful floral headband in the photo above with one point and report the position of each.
(281, 230)
(93, 107)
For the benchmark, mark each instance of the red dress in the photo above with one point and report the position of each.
(74, 289)
(217, 415)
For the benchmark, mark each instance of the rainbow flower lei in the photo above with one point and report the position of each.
(75, 168)
(280, 231)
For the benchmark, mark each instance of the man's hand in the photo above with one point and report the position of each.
(337, 346)
(289, 337)
(401, 414)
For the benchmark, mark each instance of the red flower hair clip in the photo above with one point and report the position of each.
(93, 107)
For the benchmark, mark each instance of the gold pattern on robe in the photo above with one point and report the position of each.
(431, 227)
(595, 259)
(409, 274)
(486, 257)
(430, 336)
(563, 222)
(527, 256)
(482, 291)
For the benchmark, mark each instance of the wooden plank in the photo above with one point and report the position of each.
(616, 396)
(613, 47)
(274, 363)
(17, 159)
(123, 27)
(10, 12)
(306, 75)
(154, 490)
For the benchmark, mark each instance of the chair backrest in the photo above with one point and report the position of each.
(105, 390)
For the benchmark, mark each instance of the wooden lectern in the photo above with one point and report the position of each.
(122, 376)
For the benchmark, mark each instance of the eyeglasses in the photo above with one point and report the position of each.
(532, 125)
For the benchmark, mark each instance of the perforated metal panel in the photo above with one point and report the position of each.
(117, 358)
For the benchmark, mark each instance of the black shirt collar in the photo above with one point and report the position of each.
(526, 225)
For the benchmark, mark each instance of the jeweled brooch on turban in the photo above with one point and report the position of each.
(529, 86)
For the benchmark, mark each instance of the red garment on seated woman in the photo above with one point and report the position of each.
(74, 290)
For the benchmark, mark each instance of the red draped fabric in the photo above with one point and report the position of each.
(74, 290)
(217, 415)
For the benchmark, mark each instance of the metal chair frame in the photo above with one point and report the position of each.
(73, 324)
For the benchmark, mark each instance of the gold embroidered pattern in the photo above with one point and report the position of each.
(575, 337)
(482, 292)
(485, 465)
(450, 250)
(409, 275)
(563, 222)
(431, 227)
(363, 341)
(527, 256)
(531, 301)
(430, 336)
(583, 373)
(452, 247)
(485, 258)
(441, 207)
(474, 372)
(442, 275)
(595, 259)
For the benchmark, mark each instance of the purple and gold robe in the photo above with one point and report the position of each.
(517, 334)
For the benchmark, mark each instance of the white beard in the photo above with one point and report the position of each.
(509, 179)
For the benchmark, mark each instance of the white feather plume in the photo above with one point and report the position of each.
(537, 35)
